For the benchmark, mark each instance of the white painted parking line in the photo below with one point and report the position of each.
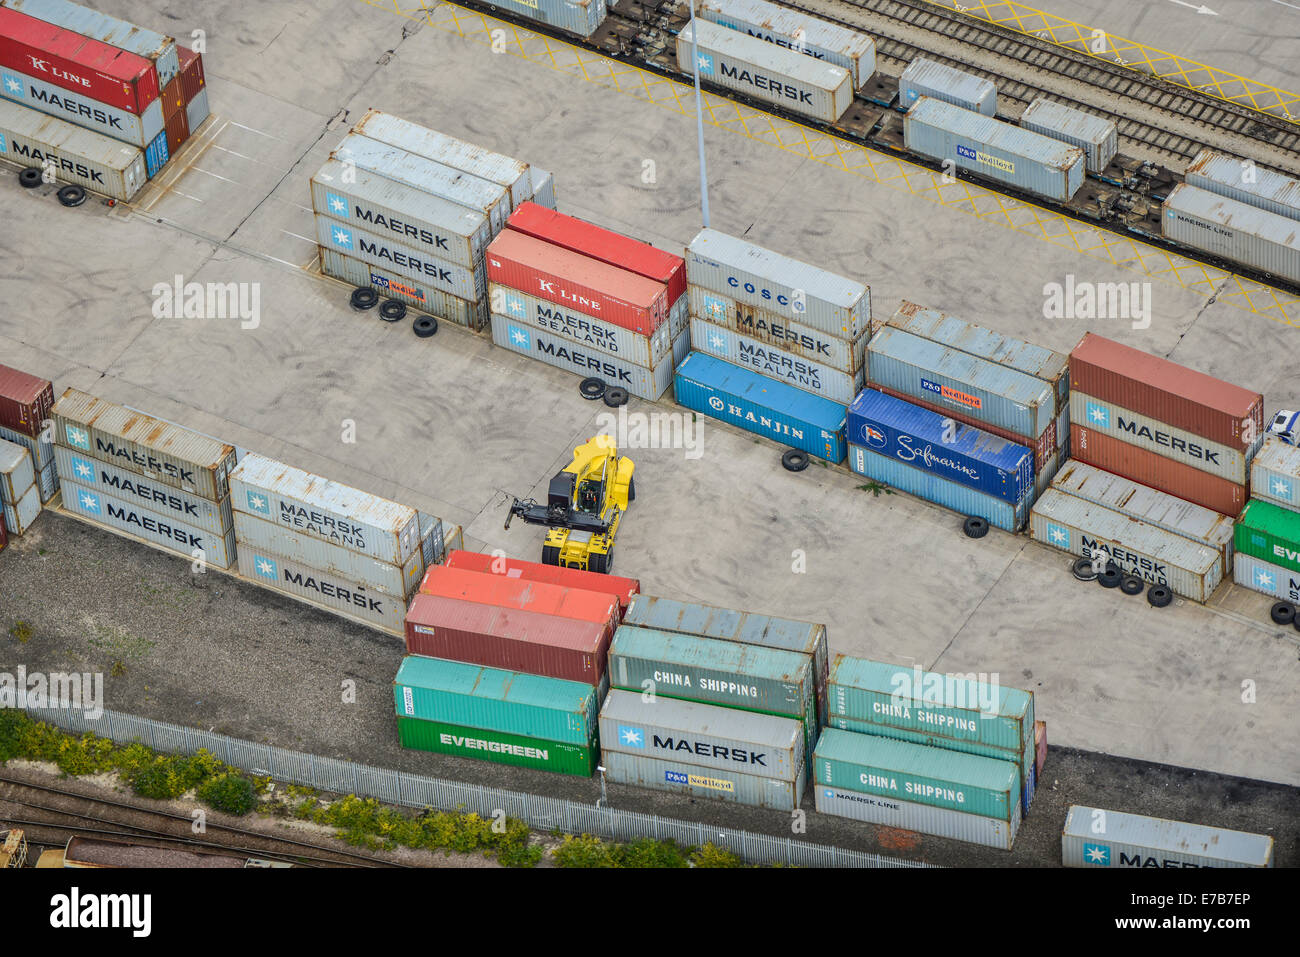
(251, 130)
(242, 156)
(305, 239)
(200, 169)
(186, 195)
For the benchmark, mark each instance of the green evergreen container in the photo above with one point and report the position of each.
(1269, 532)
(517, 749)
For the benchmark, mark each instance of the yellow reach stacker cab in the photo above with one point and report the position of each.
(584, 504)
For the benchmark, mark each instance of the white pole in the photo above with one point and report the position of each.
(699, 120)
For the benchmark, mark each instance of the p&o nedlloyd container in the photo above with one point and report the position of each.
(80, 157)
(1269, 532)
(410, 291)
(994, 149)
(577, 16)
(924, 77)
(679, 777)
(1086, 529)
(776, 363)
(1097, 137)
(1245, 182)
(166, 529)
(1225, 227)
(403, 259)
(623, 589)
(1275, 473)
(1093, 837)
(118, 124)
(766, 71)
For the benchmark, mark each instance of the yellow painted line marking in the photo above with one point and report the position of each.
(962, 196)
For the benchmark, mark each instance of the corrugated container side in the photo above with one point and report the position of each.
(1275, 473)
(1097, 137)
(1022, 758)
(117, 124)
(160, 50)
(1040, 743)
(910, 816)
(25, 401)
(681, 778)
(623, 589)
(42, 452)
(1267, 578)
(599, 608)
(47, 480)
(1245, 182)
(1093, 837)
(17, 471)
(923, 77)
(164, 529)
(514, 749)
(543, 188)
(322, 589)
(1270, 532)
(80, 157)
(417, 295)
(20, 514)
(576, 16)
(405, 260)
(197, 111)
(776, 363)
(193, 81)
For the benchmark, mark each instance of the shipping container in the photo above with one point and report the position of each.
(490, 699)
(575, 16)
(417, 295)
(759, 277)
(172, 99)
(933, 487)
(322, 589)
(1270, 532)
(42, 450)
(994, 150)
(773, 362)
(47, 481)
(1148, 505)
(1269, 578)
(168, 454)
(178, 131)
(197, 111)
(1224, 227)
(765, 71)
(1275, 473)
(579, 282)
(1093, 837)
(702, 735)
(515, 749)
(82, 111)
(324, 509)
(679, 777)
(1097, 137)
(415, 218)
(169, 530)
(796, 30)
(623, 589)
(193, 82)
(1146, 467)
(760, 405)
(1022, 758)
(921, 818)
(78, 157)
(1227, 462)
(578, 604)
(1089, 530)
(543, 188)
(156, 155)
(17, 472)
(20, 514)
(4, 532)
(924, 77)
(25, 401)
(1040, 743)
(403, 259)
(1245, 182)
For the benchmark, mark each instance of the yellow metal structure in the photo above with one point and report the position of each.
(13, 848)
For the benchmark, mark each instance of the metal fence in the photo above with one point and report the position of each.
(413, 790)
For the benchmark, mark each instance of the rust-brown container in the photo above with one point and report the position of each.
(25, 401)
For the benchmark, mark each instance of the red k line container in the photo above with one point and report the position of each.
(1147, 468)
(595, 607)
(580, 236)
(74, 62)
(25, 401)
(192, 78)
(584, 284)
(507, 638)
(1165, 391)
(623, 589)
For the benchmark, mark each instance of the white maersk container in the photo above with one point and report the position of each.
(20, 514)
(924, 77)
(17, 471)
(1224, 227)
(1275, 473)
(766, 71)
(1097, 137)
(323, 589)
(1266, 578)
(166, 530)
(775, 363)
(1245, 182)
(1093, 837)
(403, 259)
(681, 777)
(115, 123)
(415, 294)
(78, 157)
(42, 452)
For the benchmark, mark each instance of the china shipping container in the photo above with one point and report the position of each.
(994, 149)
(197, 111)
(321, 588)
(42, 450)
(1231, 463)
(25, 401)
(168, 454)
(1275, 473)
(765, 71)
(19, 515)
(623, 589)
(756, 276)
(923, 439)
(491, 699)
(1269, 578)
(1224, 227)
(165, 529)
(1245, 182)
(923, 77)
(515, 749)
(795, 30)
(578, 604)
(1090, 530)
(576, 16)
(761, 405)
(678, 777)
(1270, 532)
(1148, 468)
(403, 259)
(774, 362)
(414, 294)
(1097, 137)
(702, 735)
(17, 472)
(47, 480)
(193, 82)
(921, 818)
(79, 157)
(1093, 837)
(82, 111)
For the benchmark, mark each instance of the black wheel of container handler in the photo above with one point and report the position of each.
(1110, 576)
(72, 195)
(363, 297)
(795, 460)
(1282, 613)
(424, 326)
(615, 396)
(31, 177)
(600, 564)
(1159, 595)
(550, 555)
(592, 388)
(631, 490)
(975, 526)
(1083, 570)
(392, 311)
(1131, 585)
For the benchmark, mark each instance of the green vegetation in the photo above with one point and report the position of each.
(875, 488)
(588, 851)
(22, 631)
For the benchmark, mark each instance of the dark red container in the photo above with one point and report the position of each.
(507, 638)
(74, 62)
(1165, 391)
(25, 401)
(599, 609)
(178, 130)
(192, 78)
(4, 536)
(623, 589)
(1165, 475)
(173, 99)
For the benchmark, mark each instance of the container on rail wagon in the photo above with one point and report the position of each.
(78, 157)
(1156, 556)
(748, 273)
(1245, 182)
(578, 604)
(924, 77)
(42, 450)
(19, 515)
(404, 289)
(994, 149)
(911, 816)
(623, 589)
(1269, 578)
(118, 124)
(1225, 227)
(576, 16)
(678, 777)
(321, 588)
(17, 471)
(167, 529)
(796, 30)
(402, 258)
(25, 402)
(1269, 532)
(766, 72)
(1275, 473)
(520, 750)
(1097, 137)
(776, 363)
(1093, 837)
(1165, 391)
(168, 454)
(761, 405)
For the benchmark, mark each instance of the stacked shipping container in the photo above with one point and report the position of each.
(25, 405)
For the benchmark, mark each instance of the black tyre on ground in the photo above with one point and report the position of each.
(1282, 613)
(392, 311)
(1131, 585)
(592, 388)
(615, 396)
(31, 177)
(363, 298)
(424, 326)
(1083, 569)
(1160, 595)
(795, 460)
(975, 526)
(72, 195)
(1110, 576)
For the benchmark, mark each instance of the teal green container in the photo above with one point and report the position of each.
(898, 696)
(1269, 532)
(1024, 758)
(912, 772)
(515, 749)
(489, 699)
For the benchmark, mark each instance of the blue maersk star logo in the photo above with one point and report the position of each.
(715, 309)
(717, 340)
(1282, 488)
(705, 63)
(519, 337)
(13, 86)
(77, 438)
(259, 503)
(4, 147)
(1098, 414)
(341, 237)
(1098, 854)
(631, 737)
(338, 205)
(1263, 579)
(82, 469)
(89, 502)
(266, 567)
(1058, 535)
(514, 306)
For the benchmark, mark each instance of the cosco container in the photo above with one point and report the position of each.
(17, 472)
(911, 816)
(1093, 837)
(774, 362)
(1245, 182)
(796, 30)
(1269, 578)
(25, 401)
(1089, 530)
(1165, 391)
(702, 735)
(79, 157)
(411, 216)
(679, 777)
(924, 78)
(515, 749)
(410, 291)
(1275, 473)
(490, 699)
(765, 71)
(1097, 137)
(167, 529)
(403, 259)
(760, 405)
(20, 514)
(82, 111)
(747, 273)
(42, 450)
(1224, 227)
(1270, 532)
(575, 16)
(598, 608)
(994, 149)
(168, 454)
(623, 589)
